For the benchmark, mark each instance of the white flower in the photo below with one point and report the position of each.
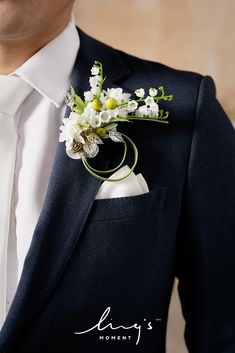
(126, 97)
(150, 110)
(117, 93)
(95, 121)
(132, 106)
(89, 96)
(71, 129)
(95, 70)
(122, 111)
(153, 92)
(104, 116)
(78, 137)
(84, 124)
(95, 90)
(71, 133)
(116, 112)
(149, 100)
(70, 151)
(138, 114)
(88, 113)
(94, 81)
(154, 109)
(140, 92)
(143, 110)
(69, 143)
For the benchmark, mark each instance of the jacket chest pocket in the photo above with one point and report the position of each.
(121, 240)
(128, 208)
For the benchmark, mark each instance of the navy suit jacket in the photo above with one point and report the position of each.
(90, 255)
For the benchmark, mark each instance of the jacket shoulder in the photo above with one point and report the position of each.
(185, 85)
(158, 69)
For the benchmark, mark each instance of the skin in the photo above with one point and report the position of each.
(28, 25)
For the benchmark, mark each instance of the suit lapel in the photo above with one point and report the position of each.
(68, 201)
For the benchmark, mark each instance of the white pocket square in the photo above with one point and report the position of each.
(131, 186)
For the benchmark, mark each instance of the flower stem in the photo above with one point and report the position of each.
(96, 173)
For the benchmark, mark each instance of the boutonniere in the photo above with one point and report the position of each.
(96, 116)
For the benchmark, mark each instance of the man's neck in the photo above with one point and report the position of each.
(14, 52)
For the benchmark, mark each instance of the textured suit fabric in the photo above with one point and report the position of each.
(87, 254)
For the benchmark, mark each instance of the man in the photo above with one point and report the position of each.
(81, 273)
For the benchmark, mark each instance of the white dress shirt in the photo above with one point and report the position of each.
(14, 91)
(48, 73)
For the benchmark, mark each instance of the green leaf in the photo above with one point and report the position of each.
(79, 104)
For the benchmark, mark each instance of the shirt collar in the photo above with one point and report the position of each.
(49, 70)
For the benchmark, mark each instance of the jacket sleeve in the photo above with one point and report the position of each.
(205, 257)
